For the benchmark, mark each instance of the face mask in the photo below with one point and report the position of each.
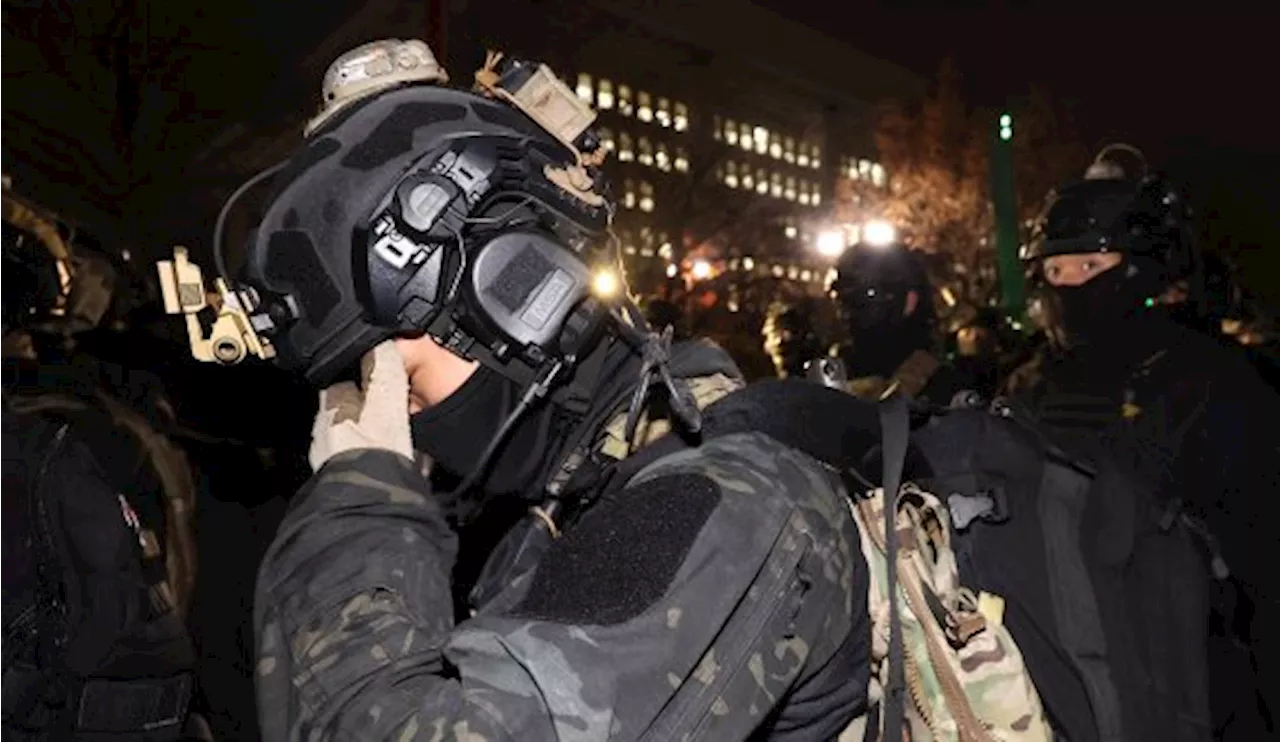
(1095, 312)
(456, 432)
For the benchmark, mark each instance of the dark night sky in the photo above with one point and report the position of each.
(1189, 87)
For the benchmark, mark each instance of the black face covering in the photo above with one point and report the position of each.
(879, 349)
(1097, 312)
(456, 432)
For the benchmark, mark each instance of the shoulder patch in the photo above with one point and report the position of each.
(620, 557)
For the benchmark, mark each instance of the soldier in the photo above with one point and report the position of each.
(95, 591)
(791, 339)
(1121, 373)
(887, 303)
(715, 592)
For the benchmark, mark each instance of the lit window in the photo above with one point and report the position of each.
(791, 231)
(762, 182)
(777, 271)
(877, 174)
(744, 137)
(789, 192)
(748, 263)
(802, 156)
(789, 150)
(604, 96)
(864, 169)
(761, 137)
(681, 119)
(625, 153)
(775, 147)
(606, 140)
(644, 107)
(775, 185)
(718, 131)
(748, 182)
(850, 168)
(584, 87)
(731, 174)
(806, 275)
(664, 112)
(682, 160)
(629, 194)
(664, 250)
(661, 158)
(624, 100)
(793, 273)
(646, 198)
(815, 198)
(804, 192)
(816, 161)
(730, 132)
(644, 152)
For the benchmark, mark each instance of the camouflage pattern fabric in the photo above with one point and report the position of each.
(966, 679)
(764, 626)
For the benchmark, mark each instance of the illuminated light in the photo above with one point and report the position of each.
(793, 273)
(1006, 121)
(682, 163)
(877, 174)
(629, 200)
(701, 270)
(775, 149)
(948, 297)
(672, 270)
(646, 203)
(1149, 302)
(584, 87)
(624, 99)
(830, 243)
(681, 118)
(126, 255)
(604, 97)
(791, 231)
(665, 250)
(762, 186)
(777, 271)
(760, 134)
(664, 112)
(748, 264)
(806, 276)
(748, 182)
(644, 109)
(1006, 133)
(605, 283)
(803, 160)
(878, 233)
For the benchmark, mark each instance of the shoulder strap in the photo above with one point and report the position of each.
(894, 429)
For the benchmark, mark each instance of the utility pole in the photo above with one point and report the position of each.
(1004, 200)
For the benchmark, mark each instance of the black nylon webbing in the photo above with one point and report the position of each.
(895, 429)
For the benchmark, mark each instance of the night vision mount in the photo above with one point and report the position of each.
(219, 328)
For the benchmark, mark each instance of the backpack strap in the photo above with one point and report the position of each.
(895, 429)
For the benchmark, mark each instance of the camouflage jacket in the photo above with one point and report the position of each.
(720, 593)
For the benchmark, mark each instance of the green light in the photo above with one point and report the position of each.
(1006, 133)
(1150, 302)
(1006, 121)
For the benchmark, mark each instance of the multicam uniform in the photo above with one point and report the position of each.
(719, 592)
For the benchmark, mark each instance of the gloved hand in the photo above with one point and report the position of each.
(373, 415)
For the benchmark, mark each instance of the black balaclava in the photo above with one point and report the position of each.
(880, 348)
(1099, 312)
(455, 432)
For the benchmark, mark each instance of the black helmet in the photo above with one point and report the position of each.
(1143, 218)
(873, 282)
(426, 209)
(1131, 213)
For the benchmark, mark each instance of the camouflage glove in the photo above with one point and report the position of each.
(373, 415)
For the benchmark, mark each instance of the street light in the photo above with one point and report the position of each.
(830, 243)
(878, 233)
(1006, 127)
(701, 270)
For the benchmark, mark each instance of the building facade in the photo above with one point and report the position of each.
(728, 126)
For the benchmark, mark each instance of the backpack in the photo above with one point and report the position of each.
(94, 645)
(1070, 568)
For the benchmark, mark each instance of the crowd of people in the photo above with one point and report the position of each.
(531, 509)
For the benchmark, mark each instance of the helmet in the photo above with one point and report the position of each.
(873, 282)
(371, 68)
(1144, 218)
(475, 217)
(1141, 217)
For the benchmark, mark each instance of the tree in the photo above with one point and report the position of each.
(1047, 150)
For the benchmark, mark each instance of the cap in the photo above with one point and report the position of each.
(372, 68)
